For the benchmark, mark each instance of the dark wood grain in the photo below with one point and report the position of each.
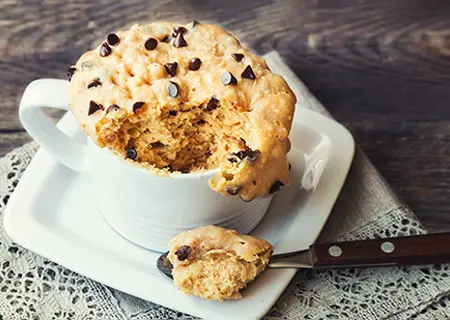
(381, 67)
(405, 251)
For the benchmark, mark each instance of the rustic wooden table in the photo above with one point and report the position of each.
(381, 67)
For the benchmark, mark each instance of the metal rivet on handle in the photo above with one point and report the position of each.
(335, 251)
(387, 247)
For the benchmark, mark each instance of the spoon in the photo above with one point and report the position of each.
(399, 251)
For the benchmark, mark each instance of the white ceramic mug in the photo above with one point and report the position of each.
(146, 209)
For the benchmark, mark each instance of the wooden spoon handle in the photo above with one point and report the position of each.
(400, 251)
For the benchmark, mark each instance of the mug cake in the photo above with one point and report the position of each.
(183, 99)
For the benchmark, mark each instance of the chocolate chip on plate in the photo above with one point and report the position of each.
(227, 78)
(94, 83)
(94, 107)
(172, 113)
(113, 107)
(105, 50)
(233, 190)
(112, 39)
(237, 56)
(171, 68)
(70, 72)
(248, 73)
(137, 106)
(177, 30)
(151, 44)
(194, 64)
(212, 104)
(179, 41)
(130, 153)
(173, 89)
(275, 187)
(183, 252)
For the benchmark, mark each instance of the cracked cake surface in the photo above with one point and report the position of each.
(185, 99)
(215, 263)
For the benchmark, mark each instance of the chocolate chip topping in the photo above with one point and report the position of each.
(171, 68)
(151, 44)
(172, 113)
(70, 72)
(113, 107)
(227, 78)
(94, 107)
(173, 89)
(194, 64)
(179, 41)
(233, 190)
(237, 56)
(275, 187)
(248, 73)
(112, 39)
(105, 50)
(177, 30)
(94, 83)
(130, 153)
(248, 154)
(212, 104)
(137, 106)
(183, 252)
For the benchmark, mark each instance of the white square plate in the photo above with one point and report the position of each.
(53, 214)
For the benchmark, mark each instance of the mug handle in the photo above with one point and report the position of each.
(51, 93)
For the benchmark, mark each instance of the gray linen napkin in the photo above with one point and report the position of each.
(32, 287)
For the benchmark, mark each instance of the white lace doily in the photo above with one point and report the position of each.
(32, 287)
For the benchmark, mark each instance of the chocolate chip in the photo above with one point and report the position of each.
(212, 104)
(275, 187)
(105, 50)
(179, 41)
(252, 155)
(137, 106)
(13, 250)
(183, 252)
(177, 30)
(173, 89)
(248, 154)
(237, 56)
(290, 167)
(130, 153)
(70, 72)
(201, 122)
(227, 78)
(151, 44)
(94, 83)
(194, 64)
(113, 107)
(233, 190)
(157, 144)
(94, 107)
(248, 73)
(171, 68)
(172, 113)
(112, 39)
(166, 39)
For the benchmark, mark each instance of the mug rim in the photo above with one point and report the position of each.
(173, 175)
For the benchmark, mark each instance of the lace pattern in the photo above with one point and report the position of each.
(32, 287)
